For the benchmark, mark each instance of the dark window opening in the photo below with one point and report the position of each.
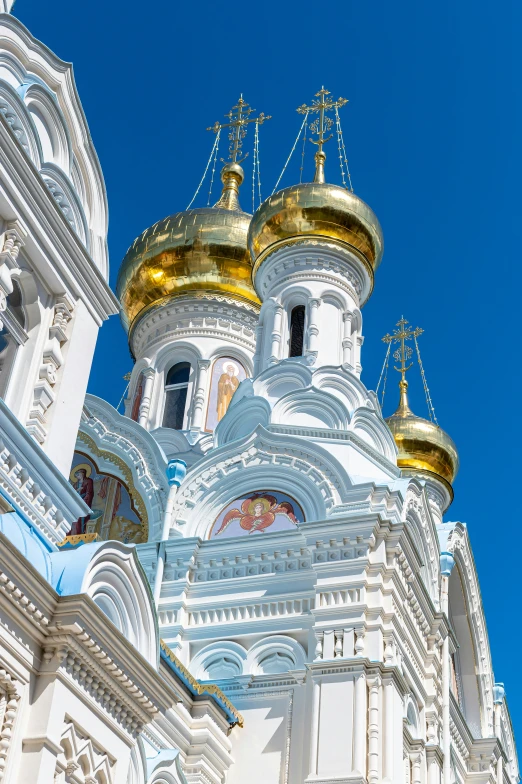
(297, 320)
(176, 388)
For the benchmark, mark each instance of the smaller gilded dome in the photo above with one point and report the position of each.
(423, 446)
(200, 250)
(316, 209)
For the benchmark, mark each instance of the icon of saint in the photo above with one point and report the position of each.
(227, 385)
(84, 486)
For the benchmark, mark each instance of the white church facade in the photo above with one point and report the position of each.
(248, 575)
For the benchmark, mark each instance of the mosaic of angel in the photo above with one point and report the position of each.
(257, 513)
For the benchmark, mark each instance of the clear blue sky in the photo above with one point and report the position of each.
(433, 133)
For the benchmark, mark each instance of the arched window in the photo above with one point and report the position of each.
(297, 320)
(176, 387)
(12, 335)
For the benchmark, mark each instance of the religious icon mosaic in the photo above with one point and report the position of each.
(227, 375)
(258, 512)
(114, 515)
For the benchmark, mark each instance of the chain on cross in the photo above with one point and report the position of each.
(322, 124)
(239, 117)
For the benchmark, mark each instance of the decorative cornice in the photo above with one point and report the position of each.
(74, 651)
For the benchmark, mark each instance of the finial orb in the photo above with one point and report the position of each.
(232, 169)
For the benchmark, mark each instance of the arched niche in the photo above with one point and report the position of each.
(275, 655)
(219, 660)
(50, 126)
(465, 658)
(226, 374)
(118, 509)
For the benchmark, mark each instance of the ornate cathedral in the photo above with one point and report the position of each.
(245, 575)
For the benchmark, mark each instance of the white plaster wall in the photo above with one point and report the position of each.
(70, 390)
(335, 727)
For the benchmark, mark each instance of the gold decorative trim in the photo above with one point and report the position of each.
(79, 539)
(129, 481)
(201, 688)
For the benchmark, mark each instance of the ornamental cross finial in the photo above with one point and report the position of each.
(321, 125)
(403, 353)
(239, 117)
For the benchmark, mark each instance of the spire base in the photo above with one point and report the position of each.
(232, 176)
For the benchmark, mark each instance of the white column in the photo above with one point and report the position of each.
(498, 699)
(275, 352)
(200, 396)
(416, 762)
(259, 349)
(148, 374)
(314, 731)
(359, 726)
(388, 731)
(313, 325)
(176, 472)
(446, 565)
(433, 767)
(373, 731)
(359, 340)
(347, 338)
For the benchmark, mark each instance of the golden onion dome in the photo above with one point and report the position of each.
(199, 250)
(424, 448)
(316, 209)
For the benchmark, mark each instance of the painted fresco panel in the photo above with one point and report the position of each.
(227, 374)
(114, 515)
(257, 512)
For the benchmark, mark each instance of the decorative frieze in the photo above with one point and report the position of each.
(248, 612)
(104, 681)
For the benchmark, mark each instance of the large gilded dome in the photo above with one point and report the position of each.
(423, 446)
(199, 250)
(316, 209)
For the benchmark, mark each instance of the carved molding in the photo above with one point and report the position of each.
(52, 361)
(11, 688)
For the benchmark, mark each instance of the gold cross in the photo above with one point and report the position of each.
(323, 123)
(237, 125)
(404, 352)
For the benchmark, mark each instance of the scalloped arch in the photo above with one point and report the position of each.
(42, 105)
(311, 408)
(276, 654)
(222, 659)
